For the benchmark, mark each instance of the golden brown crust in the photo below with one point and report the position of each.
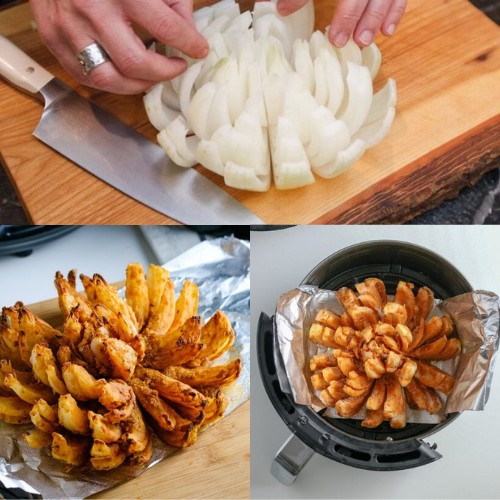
(216, 376)
(72, 384)
(379, 348)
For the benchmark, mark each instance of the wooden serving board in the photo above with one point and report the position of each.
(216, 466)
(445, 58)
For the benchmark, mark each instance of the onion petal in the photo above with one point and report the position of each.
(158, 113)
(343, 161)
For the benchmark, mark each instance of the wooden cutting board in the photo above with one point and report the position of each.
(216, 466)
(445, 58)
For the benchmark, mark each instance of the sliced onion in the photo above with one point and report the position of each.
(261, 9)
(273, 89)
(240, 23)
(293, 175)
(199, 109)
(258, 155)
(170, 148)
(359, 96)
(200, 15)
(300, 24)
(175, 133)
(207, 153)
(216, 26)
(219, 110)
(328, 137)
(227, 8)
(218, 45)
(207, 70)
(255, 106)
(343, 161)
(382, 100)
(349, 53)
(299, 107)
(272, 25)
(335, 82)
(169, 96)
(371, 58)
(321, 83)
(271, 94)
(334, 138)
(186, 87)
(373, 133)
(158, 113)
(303, 63)
(222, 138)
(290, 163)
(240, 177)
(202, 18)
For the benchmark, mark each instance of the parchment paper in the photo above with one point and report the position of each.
(476, 317)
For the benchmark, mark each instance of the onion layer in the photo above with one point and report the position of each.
(272, 99)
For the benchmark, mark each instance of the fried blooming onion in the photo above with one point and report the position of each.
(117, 369)
(378, 353)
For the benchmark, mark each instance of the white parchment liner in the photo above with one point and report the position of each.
(476, 317)
(221, 269)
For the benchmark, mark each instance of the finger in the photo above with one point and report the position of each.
(344, 21)
(182, 7)
(286, 7)
(371, 21)
(393, 17)
(66, 36)
(169, 27)
(104, 77)
(131, 57)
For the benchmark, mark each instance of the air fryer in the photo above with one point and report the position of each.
(344, 440)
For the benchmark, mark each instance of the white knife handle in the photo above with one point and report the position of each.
(20, 69)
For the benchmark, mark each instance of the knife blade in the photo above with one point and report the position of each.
(115, 153)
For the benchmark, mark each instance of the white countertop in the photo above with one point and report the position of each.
(90, 249)
(470, 445)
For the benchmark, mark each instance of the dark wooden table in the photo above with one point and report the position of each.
(479, 204)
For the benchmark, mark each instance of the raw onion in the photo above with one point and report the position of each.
(272, 99)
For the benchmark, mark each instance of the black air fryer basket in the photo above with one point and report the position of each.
(344, 440)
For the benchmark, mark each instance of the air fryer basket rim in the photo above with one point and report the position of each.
(393, 260)
(403, 247)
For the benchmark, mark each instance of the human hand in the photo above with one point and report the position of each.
(362, 19)
(67, 26)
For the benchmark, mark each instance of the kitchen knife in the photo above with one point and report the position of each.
(114, 152)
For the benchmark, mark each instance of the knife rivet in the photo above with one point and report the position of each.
(30, 69)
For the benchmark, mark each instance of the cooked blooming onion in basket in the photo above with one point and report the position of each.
(379, 353)
(116, 369)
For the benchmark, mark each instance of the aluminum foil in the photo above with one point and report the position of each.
(476, 316)
(221, 269)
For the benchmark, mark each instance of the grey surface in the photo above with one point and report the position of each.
(469, 467)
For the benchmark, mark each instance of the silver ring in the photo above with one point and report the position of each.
(91, 56)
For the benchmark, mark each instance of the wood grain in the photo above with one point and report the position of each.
(445, 59)
(216, 466)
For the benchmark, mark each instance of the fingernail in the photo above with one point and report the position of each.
(391, 29)
(340, 40)
(366, 37)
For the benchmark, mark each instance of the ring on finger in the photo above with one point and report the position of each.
(91, 56)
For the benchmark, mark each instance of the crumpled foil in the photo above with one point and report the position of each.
(476, 317)
(221, 269)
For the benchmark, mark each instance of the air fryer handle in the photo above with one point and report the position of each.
(268, 346)
(290, 460)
